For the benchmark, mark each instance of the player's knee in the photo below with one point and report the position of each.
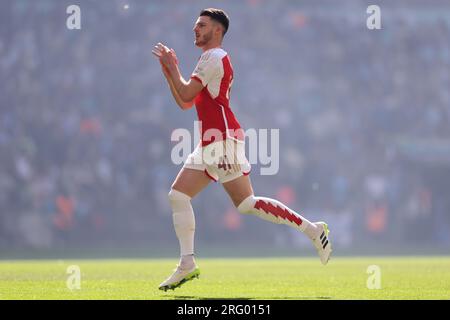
(247, 205)
(175, 195)
(178, 200)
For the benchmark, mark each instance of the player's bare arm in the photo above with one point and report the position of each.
(183, 105)
(186, 90)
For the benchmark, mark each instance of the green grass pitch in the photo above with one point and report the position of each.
(262, 278)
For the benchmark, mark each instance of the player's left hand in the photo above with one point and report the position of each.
(159, 49)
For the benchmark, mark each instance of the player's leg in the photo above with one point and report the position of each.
(241, 193)
(187, 185)
(190, 181)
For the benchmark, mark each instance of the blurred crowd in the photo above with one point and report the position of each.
(86, 120)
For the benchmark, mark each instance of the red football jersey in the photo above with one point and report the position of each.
(215, 73)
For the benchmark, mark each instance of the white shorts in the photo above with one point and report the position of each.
(221, 161)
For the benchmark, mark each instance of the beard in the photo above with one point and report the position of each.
(203, 40)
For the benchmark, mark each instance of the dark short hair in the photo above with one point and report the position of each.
(217, 15)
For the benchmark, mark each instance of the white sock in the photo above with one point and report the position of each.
(187, 261)
(183, 221)
(276, 212)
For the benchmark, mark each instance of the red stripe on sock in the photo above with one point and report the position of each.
(267, 207)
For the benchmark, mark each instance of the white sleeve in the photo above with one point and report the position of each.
(207, 68)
